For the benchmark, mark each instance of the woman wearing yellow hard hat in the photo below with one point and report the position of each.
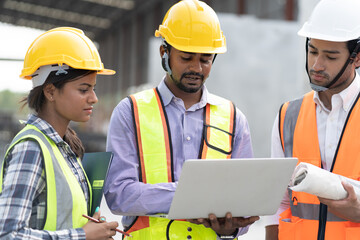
(44, 190)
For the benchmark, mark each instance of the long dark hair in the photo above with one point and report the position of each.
(36, 99)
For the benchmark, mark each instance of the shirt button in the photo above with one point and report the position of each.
(189, 237)
(188, 138)
(189, 229)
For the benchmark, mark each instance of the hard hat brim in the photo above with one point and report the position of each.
(106, 72)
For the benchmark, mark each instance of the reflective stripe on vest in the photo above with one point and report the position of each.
(298, 132)
(219, 125)
(153, 137)
(65, 199)
(155, 157)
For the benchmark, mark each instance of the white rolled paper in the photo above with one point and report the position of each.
(319, 182)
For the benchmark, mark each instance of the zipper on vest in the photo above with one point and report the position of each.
(322, 221)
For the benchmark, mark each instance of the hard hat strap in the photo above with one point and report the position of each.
(165, 61)
(214, 57)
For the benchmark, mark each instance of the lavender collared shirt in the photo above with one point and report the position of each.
(124, 194)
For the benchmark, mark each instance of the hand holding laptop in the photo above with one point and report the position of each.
(227, 225)
(244, 187)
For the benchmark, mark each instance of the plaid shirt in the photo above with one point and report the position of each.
(23, 198)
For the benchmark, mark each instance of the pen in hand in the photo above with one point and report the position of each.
(98, 221)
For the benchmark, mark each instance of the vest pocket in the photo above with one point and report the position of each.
(287, 229)
(297, 229)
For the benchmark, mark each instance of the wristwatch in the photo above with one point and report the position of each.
(232, 236)
(227, 237)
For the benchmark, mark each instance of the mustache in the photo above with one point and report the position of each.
(324, 74)
(192, 74)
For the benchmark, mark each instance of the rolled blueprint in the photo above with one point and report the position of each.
(319, 182)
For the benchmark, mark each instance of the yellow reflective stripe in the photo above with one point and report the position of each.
(1, 175)
(50, 179)
(219, 116)
(152, 137)
(178, 230)
(79, 204)
(51, 209)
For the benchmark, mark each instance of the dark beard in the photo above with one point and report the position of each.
(187, 89)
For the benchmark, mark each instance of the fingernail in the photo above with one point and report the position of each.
(97, 209)
(102, 219)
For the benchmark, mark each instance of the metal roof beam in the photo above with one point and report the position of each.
(58, 14)
(36, 24)
(122, 4)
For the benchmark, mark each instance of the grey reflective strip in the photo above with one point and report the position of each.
(291, 116)
(63, 192)
(310, 211)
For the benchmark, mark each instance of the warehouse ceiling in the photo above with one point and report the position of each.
(95, 17)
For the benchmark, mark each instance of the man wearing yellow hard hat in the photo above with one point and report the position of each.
(322, 127)
(153, 132)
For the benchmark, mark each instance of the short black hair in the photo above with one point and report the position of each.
(351, 45)
(167, 46)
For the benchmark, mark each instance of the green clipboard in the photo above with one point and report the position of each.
(96, 165)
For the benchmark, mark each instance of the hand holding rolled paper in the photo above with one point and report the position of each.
(319, 182)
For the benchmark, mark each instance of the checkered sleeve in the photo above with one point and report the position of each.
(23, 176)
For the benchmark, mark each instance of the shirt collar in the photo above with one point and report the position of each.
(348, 95)
(45, 128)
(206, 97)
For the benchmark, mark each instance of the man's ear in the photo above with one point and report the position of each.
(357, 60)
(162, 50)
(49, 91)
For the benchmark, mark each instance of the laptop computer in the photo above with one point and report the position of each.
(96, 165)
(244, 187)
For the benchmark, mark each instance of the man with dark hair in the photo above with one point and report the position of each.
(153, 132)
(322, 127)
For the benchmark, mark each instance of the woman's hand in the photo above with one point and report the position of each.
(100, 231)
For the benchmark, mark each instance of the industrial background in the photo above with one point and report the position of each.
(263, 67)
(122, 30)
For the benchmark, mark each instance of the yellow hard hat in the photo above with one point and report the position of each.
(192, 26)
(63, 45)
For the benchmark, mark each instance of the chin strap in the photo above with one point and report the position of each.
(350, 60)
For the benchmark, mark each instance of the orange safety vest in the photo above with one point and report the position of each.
(307, 219)
(156, 160)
